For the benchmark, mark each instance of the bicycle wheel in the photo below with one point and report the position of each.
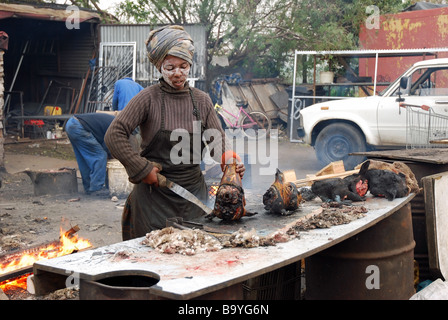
(256, 125)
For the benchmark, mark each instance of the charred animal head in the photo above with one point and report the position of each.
(230, 201)
(281, 197)
(388, 184)
(229, 204)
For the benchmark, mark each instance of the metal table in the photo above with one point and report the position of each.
(212, 274)
(437, 156)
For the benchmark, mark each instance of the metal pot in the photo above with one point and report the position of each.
(60, 181)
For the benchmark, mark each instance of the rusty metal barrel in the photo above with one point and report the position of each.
(376, 264)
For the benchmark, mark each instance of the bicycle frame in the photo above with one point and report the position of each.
(236, 125)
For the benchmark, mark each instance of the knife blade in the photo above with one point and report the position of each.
(179, 190)
(184, 193)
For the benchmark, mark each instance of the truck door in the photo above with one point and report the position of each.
(427, 86)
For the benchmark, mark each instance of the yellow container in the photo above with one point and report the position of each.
(52, 111)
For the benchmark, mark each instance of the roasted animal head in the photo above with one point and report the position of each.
(398, 167)
(388, 184)
(281, 197)
(230, 201)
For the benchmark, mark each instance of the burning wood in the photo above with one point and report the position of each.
(14, 266)
(14, 283)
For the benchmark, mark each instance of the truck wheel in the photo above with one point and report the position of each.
(336, 141)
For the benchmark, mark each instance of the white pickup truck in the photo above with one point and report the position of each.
(339, 127)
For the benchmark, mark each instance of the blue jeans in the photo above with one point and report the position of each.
(90, 155)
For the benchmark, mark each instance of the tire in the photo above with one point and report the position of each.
(253, 131)
(336, 141)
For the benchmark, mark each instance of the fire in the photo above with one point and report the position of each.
(212, 190)
(14, 284)
(68, 243)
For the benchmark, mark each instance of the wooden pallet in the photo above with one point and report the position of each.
(333, 170)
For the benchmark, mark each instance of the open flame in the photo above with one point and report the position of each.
(14, 284)
(212, 190)
(68, 243)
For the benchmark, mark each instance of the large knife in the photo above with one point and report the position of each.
(181, 191)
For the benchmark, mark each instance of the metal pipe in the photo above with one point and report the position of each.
(17, 71)
(376, 72)
(293, 98)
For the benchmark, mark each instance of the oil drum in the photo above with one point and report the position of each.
(376, 264)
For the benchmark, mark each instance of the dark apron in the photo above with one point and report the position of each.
(147, 207)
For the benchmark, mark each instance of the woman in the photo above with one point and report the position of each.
(159, 110)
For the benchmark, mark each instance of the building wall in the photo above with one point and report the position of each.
(405, 30)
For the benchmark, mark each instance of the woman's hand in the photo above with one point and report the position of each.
(240, 168)
(151, 178)
(230, 155)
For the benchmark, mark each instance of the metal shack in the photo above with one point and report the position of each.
(48, 56)
(62, 61)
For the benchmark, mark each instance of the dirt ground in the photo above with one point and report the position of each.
(27, 220)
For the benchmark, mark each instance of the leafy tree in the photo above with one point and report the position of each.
(259, 36)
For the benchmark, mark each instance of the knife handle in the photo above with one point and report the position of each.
(161, 179)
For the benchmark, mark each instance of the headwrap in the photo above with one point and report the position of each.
(169, 40)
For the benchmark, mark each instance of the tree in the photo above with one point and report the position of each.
(260, 36)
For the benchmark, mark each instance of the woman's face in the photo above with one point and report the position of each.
(175, 71)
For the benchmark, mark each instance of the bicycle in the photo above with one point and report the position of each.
(255, 124)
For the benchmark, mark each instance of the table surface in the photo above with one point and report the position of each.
(187, 277)
(426, 155)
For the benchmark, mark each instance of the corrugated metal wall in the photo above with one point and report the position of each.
(139, 33)
(77, 49)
